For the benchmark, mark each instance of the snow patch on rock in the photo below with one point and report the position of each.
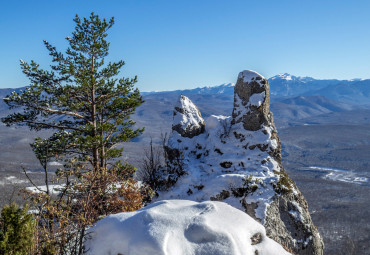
(249, 75)
(257, 99)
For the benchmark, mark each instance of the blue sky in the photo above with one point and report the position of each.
(173, 44)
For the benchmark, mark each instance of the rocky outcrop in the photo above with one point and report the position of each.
(237, 160)
(251, 101)
(187, 119)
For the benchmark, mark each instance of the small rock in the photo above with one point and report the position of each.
(256, 238)
(226, 164)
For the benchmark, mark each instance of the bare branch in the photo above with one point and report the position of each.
(29, 178)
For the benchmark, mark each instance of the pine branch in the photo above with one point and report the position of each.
(47, 125)
(61, 112)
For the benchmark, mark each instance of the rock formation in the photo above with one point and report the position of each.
(189, 121)
(237, 160)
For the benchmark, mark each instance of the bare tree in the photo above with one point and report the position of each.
(151, 165)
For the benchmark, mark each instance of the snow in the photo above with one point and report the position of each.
(174, 227)
(341, 175)
(257, 99)
(191, 115)
(289, 77)
(284, 76)
(227, 162)
(11, 180)
(297, 213)
(213, 121)
(249, 75)
(54, 189)
(55, 163)
(204, 154)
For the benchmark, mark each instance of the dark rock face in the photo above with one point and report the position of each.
(252, 106)
(238, 161)
(252, 93)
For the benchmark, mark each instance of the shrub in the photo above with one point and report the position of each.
(17, 229)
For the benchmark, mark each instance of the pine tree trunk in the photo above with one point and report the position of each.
(93, 113)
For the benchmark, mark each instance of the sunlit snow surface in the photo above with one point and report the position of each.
(249, 75)
(190, 117)
(174, 227)
(257, 99)
(341, 175)
(11, 180)
(54, 189)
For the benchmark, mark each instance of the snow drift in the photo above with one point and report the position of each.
(172, 227)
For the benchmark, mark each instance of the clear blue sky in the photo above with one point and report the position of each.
(173, 44)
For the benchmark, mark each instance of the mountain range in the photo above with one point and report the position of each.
(355, 91)
(292, 98)
(307, 90)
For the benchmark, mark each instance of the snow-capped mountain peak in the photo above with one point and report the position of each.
(283, 76)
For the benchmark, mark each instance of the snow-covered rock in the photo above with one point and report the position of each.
(187, 120)
(252, 101)
(237, 160)
(182, 227)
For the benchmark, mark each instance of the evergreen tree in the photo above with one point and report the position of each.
(80, 98)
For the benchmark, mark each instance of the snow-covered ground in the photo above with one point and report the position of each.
(172, 227)
(55, 163)
(341, 175)
(54, 189)
(11, 180)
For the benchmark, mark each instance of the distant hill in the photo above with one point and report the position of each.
(4, 93)
(286, 85)
(356, 91)
(301, 107)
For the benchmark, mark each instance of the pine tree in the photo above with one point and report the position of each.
(82, 100)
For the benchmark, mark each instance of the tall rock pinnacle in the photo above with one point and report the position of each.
(237, 160)
(251, 101)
